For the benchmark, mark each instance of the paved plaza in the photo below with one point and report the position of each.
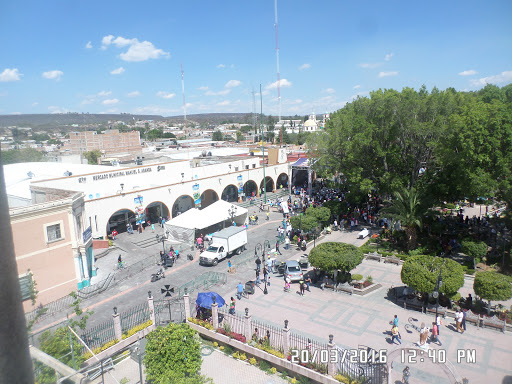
(353, 320)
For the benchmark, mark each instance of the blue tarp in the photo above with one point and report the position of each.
(205, 299)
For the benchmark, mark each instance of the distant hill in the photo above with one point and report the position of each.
(66, 119)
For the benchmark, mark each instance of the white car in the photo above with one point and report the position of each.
(365, 232)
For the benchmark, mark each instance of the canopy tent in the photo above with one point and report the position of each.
(206, 299)
(183, 228)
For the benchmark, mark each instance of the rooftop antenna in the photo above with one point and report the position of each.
(278, 74)
(183, 91)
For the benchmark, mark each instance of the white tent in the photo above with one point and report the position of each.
(183, 228)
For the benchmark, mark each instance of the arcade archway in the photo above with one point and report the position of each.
(269, 184)
(250, 188)
(282, 181)
(230, 194)
(155, 211)
(182, 204)
(208, 197)
(120, 219)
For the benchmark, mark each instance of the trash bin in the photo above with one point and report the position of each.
(249, 287)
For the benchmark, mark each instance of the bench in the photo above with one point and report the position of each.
(414, 304)
(328, 284)
(373, 256)
(392, 259)
(440, 310)
(344, 287)
(473, 318)
(494, 322)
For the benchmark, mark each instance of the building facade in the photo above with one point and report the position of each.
(53, 247)
(109, 142)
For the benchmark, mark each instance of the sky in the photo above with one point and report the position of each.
(126, 56)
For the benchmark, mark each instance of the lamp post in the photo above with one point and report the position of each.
(266, 248)
(232, 212)
(504, 244)
(263, 147)
(439, 283)
(161, 239)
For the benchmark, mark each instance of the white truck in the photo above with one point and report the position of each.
(224, 243)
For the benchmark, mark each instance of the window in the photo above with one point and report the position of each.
(254, 165)
(27, 286)
(53, 232)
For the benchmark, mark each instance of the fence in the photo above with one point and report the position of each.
(276, 334)
(301, 343)
(134, 316)
(236, 322)
(203, 281)
(99, 335)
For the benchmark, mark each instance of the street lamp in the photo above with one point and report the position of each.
(504, 245)
(161, 239)
(232, 212)
(439, 283)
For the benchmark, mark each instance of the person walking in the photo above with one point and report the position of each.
(458, 320)
(395, 335)
(258, 281)
(406, 375)
(239, 290)
(258, 264)
(308, 283)
(232, 306)
(423, 335)
(435, 334)
(394, 322)
(287, 243)
(463, 321)
(265, 275)
(229, 266)
(301, 287)
(277, 248)
(438, 323)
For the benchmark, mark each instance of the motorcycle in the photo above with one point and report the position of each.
(190, 257)
(157, 276)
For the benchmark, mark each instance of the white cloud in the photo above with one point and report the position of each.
(304, 66)
(203, 88)
(10, 75)
(370, 65)
(386, 74)
(53, 75)
(117, 71)
(283, 82)
(35, 103)
(54, 109)
(110, 101)
(104, 93)
(357, 86)
(220, 93)
(221, 66)
(137, 51)
(389, 56)
(232, 83)
(88, 45)
(165, 95)
(225, 102)
(133, 94)
(155, 110)
(496, 79)
(468, 73)
(329, 90)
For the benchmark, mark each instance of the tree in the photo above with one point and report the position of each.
(477, 250)
(421, 273)
(92, 157)
(154, 134)
(172, 351)
(336, 256)
(321, 214)
(492, 286)
(409, 210)
(25, 155)
(304, 223)
(239, 136)
(217, 136)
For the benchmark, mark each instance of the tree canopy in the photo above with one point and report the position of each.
(304, 222)
(25, 155)
(92, 157)
(172, 351)
(321, 214)
(217, 136)
(492, 286)
(454, 145)
(332, 256)
(475, 249)
(421, 273)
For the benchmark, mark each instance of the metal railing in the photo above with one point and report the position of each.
(134, 316)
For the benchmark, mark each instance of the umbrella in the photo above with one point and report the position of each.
(205, 299)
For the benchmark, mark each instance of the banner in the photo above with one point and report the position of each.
(240, 182)
(196, 195)
(140, 215)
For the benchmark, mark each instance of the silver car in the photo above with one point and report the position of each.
(293, 271)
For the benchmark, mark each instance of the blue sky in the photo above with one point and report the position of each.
(125, 56)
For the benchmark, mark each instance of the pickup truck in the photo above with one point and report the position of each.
(224, 243)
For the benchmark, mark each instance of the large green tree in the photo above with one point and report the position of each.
(333, 256)
(304, 223)
(492, 286)
(421, 273)
(321, 214)
(408, 208)
(92, 157)
(25, 155)
(217, 136)
(172, 351)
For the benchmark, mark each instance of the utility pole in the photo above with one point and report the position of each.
(263, 147)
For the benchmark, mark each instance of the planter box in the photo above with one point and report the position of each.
(119, 346)
(275, 361)
(365, 291)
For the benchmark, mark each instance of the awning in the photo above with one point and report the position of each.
(303, 162)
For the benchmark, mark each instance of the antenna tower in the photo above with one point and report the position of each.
(183, 92)
(278, 74)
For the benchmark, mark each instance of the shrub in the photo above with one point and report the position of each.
(341, 378)
(369, 279)
(293, 380)
(222, 348)
(202, 323)
(243, 357)
(136, 329)
(215, 344)
(357, 277)
(228, 350)
(264, 366)
(232, 335)
(284, 374)
(88, 355)
(252, 361)
(227, 327)
(304, 380)
(236, 355)
(273, 370)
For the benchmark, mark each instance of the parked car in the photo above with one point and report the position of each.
(293, 271)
